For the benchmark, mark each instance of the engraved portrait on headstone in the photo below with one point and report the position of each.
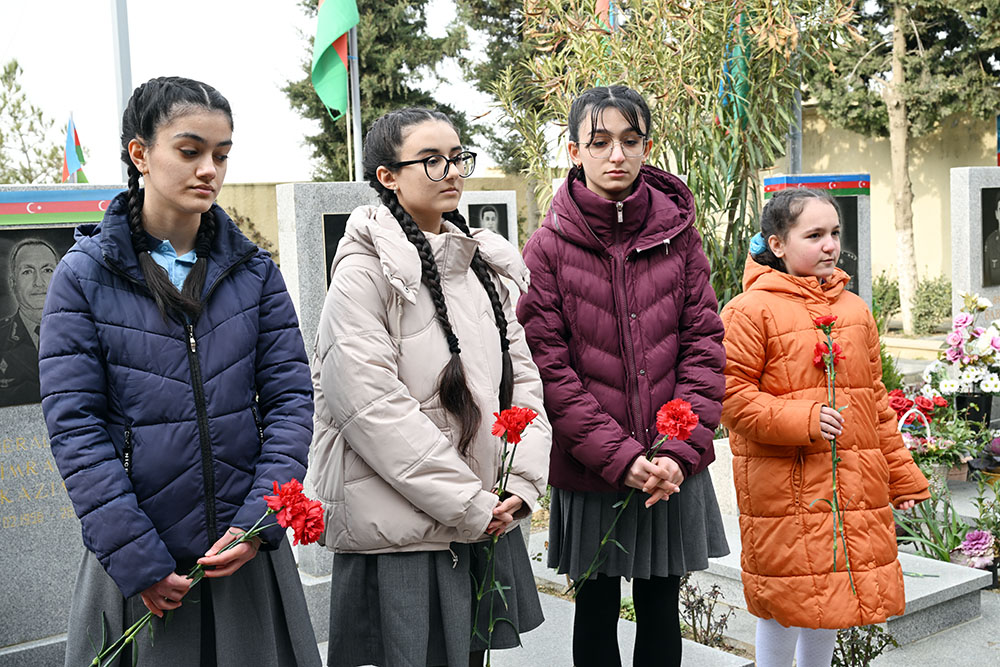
(990, 198)
(849, 239)
(27, 260)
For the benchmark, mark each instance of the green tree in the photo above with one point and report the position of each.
(395, 55)
(912, 65)
(26, 155)
(718, 76)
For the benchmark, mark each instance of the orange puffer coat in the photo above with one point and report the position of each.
(781, 463)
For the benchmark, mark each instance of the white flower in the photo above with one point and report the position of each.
(984, 344)
(984, 303)
(928, 391)
(971, 375)
(990, 385)
(949, 386)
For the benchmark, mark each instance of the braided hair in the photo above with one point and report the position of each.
(381, 148)
(779, 216)
(152, 104)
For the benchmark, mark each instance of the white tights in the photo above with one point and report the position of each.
(776, 644)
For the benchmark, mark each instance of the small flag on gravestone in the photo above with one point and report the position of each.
(329, 68)
(73, 156)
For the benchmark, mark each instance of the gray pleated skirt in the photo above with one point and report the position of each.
(258, 613)
(671, 538)
(417, 608)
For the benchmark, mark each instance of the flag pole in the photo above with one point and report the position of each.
(355, 90)
(123, 61)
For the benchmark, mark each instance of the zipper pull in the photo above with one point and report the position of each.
(619, 205)
(666, 247)
(191, 341)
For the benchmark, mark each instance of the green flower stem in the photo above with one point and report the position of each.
(838, 513)
(108, 655)
(598, 561)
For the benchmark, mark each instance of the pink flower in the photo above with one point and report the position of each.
(978, 331)
(995, 342)
(953, 354)
(954, 338)
(962, 320)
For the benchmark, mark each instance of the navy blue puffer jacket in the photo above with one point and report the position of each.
(166, 432)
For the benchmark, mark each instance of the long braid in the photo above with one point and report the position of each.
(195, 281)
(482, 271)
(454, 388)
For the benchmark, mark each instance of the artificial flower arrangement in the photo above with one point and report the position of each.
(932, 430)
(971, 361)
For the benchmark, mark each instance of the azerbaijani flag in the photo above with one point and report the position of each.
(73, 156)
(329, 68)
(838, 185)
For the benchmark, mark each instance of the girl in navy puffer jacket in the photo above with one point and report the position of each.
(621, 318)
(176, 390)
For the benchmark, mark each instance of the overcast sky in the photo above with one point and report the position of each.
(248, 49)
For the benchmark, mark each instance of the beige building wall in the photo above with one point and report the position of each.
(960, 142)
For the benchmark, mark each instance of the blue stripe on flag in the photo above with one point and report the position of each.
(16, 196)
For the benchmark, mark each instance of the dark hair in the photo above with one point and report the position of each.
(779, 216)
(152, 104)
(627, 101)
(381, 148)
(24, 243)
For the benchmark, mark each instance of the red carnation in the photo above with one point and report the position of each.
(307, 521)
(822, 351)
(676, 420)
(825, 321)
(287, 497)
(512, 422)
(940, 401)
(897, 392)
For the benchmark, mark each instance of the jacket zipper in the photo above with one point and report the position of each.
(621, 306)
(127, 452)
(256, 420)
(207, 467)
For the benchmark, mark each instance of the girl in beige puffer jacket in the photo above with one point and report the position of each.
(417, 347)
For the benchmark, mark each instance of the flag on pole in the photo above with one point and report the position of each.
(329, 68)
(73, 156)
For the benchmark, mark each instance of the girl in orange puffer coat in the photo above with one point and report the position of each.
(780, 432)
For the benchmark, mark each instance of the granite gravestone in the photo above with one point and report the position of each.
(40, 544)
(975, 202)
(311, 222)
(853, 195)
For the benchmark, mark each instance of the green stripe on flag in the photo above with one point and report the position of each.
(51, 218)
(329, 75)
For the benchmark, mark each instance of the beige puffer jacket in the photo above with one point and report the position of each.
(382, 459)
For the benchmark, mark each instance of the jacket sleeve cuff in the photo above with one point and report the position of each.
(815, 434)
(526, 491)
(478, 516)
(139, 564)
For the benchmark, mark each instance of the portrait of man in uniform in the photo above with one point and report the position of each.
(489, 216)
(30, 264)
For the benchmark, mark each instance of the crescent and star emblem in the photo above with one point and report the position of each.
(38, 206)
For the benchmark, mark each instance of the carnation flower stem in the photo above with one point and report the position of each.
(598, 560)
(107, 656)
(838, 512)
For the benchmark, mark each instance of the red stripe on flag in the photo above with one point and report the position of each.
(340, 46)
(53, 207)
(826, 185)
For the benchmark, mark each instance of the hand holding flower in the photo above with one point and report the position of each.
(227, 562)
(662, 489)
(906, 505)
(830, 422)
(166, 594)
(503, 515)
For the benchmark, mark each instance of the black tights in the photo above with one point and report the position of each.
(658, 629)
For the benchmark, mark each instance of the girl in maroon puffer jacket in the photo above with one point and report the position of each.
(621, 318)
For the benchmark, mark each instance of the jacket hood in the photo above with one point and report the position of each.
(660, 207)
(111, 242)
(374, 231)
(757, 276)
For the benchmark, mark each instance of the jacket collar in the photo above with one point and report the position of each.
(659, 208)
(111, 241)
(374, 231)
(757, 276)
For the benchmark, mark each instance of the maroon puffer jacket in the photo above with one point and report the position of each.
(621, 318)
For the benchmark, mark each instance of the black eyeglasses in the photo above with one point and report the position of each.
(436, 166)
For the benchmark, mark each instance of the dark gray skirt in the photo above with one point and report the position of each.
(671, 538)
(259, 616)
(416, 608)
